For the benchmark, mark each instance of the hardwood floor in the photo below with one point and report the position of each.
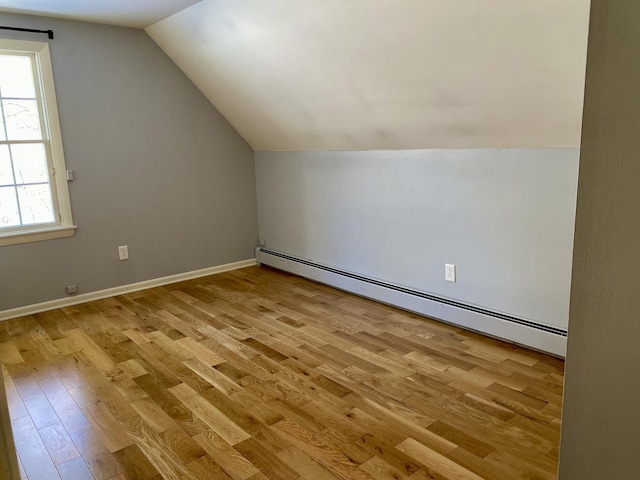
(256, 374)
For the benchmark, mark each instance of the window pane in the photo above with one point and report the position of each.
(30, 163)
(35, 204)
(6, 175)
(9, 216)
(21, 117)
(16, 77)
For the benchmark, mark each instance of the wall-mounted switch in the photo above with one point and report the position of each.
(449, 272)
(123, 252)
(69, 175)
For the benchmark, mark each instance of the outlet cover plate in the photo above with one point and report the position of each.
(449, 272)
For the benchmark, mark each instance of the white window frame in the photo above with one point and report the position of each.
(52, 139)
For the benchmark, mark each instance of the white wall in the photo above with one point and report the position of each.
(504, 217)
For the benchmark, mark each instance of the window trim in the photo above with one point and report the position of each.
(64, 226)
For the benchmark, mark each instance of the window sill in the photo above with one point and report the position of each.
(36, 235)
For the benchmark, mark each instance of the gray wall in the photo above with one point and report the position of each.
(504, 217)
(601, 418)
(157, 168)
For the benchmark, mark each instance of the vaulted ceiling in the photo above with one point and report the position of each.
(387, 74)
(382, 74)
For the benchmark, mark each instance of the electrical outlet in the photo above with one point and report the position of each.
(72, 289)
(123, 252)
(449, 272)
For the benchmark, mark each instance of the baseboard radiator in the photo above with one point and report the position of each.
(521, 331)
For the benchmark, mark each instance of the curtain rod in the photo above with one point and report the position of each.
(17, 29)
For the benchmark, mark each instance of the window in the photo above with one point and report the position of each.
(34, 197)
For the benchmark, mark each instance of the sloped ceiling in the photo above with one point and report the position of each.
(387, 74)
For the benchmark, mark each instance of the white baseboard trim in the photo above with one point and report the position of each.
(551, 342)
(112, 292)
